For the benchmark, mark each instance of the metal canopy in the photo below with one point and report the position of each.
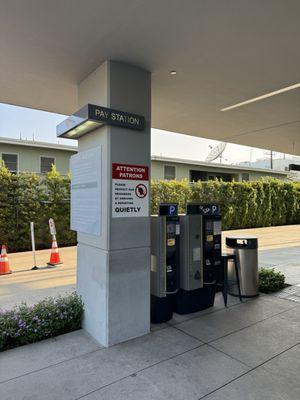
(224, 53)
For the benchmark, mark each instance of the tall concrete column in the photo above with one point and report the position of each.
(113, 269)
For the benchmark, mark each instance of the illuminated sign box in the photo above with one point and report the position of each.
(203, 209)
(91, 117)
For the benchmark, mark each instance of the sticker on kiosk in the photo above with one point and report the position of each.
(130, 190)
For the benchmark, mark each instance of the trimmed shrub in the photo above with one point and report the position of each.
(170, 191)
(50, 317)
(267, 202)
(270, 281)
(28, 197)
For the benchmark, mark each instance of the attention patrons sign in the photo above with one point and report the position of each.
(130, 190)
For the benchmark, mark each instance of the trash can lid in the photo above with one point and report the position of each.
(242, 242)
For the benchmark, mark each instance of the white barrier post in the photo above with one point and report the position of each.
(33, 246)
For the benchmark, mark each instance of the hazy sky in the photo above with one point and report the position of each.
(24, 122)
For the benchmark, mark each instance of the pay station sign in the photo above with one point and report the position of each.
(130, 190)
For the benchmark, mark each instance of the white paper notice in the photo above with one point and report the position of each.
(130, 190)
(86, 191)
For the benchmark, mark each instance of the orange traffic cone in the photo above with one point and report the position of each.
(4, 264)
(54, 258)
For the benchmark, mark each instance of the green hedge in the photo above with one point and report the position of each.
(29, 197)
(267, 202)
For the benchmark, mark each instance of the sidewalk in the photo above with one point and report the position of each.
(31, 286)
(275, 246)
(273, 237)
(249, 351)
(286, 260)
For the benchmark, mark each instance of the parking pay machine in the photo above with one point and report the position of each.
(165, 231)
(200, 257)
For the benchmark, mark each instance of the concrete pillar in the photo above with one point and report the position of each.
(113, 269)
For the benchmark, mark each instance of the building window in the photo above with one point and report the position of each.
(196, 176)
(11, 162)
(46, 164)
(169, 172)
(245, 177)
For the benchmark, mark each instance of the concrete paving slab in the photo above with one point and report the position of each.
(74, 378)
(33, 357)
(260, 342)
(258, 385)
(211, 326)
(291, 293)
(188, 376)
(286, 365)
(215, 325)
(218, 305)
(158, 327)
(264, 306)
(277, 379)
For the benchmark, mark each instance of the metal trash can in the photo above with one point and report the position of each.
(245, 250)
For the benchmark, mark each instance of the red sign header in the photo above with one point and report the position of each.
(130, 172)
